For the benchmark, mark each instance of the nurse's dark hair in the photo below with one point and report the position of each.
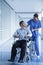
(36, 15)
(21, 22)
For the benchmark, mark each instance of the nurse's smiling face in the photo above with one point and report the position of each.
(35, 18)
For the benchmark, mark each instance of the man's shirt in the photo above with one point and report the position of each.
(22, 33)
(33, 25)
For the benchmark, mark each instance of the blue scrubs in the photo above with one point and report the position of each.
(33, 25)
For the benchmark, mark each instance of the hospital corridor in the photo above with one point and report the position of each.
(12, 14)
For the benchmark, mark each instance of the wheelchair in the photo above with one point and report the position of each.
(30, 49)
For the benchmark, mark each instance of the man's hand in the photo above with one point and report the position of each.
(27, 36)
(16, 36)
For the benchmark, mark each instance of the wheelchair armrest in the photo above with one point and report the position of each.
(30, 39)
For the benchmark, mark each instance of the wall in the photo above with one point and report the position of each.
(8, 20)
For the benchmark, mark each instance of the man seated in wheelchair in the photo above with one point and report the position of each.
(22, 33)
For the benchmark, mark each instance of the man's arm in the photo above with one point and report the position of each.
(16, 34)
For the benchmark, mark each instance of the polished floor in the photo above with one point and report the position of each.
(4, 56)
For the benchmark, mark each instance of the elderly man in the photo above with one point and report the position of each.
(22, 33)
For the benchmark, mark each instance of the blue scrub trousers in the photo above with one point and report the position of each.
(36, 45)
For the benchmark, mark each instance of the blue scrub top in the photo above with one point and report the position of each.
(33, 25)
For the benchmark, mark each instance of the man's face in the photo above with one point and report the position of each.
(23, 25)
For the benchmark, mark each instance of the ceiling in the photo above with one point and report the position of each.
(26, 8)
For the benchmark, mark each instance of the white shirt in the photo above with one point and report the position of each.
(22, 33)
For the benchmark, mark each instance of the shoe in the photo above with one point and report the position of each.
(38, 56)
(38, 59)
(21, 61)
(11, 60)
(27, 59)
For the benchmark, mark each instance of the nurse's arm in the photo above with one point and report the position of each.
(35, 29)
